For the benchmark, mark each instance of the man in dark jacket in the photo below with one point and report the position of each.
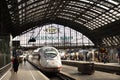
(15, 61)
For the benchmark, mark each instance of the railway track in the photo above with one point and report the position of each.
(58, 76)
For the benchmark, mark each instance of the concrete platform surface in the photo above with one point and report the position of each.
(26, 72)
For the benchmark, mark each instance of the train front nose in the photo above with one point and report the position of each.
(53, 64)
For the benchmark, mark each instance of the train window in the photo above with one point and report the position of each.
(50, 54)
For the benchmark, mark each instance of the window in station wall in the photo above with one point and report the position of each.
(54, 35)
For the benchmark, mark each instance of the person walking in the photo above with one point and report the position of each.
(15, 61)
(15, 64)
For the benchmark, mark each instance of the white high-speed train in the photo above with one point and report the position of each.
(49, 59)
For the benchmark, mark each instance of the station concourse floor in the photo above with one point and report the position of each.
(25, 72)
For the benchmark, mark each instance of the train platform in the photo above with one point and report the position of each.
(25, 72)
(105, 67)
(28, 72)
(98, 75)
(96, 63)
(108, 64)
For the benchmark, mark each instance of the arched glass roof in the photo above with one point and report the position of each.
(92, 14)
(97, 19)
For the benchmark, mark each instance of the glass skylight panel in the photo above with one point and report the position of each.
(111, 11)
(118, 10)
(23, 5)
(109, 44)
(118, 15)
(20, 19)
(36, 10)
(103, 7)
(109, 18)
(104, 41)
(113, 41)
(85, 1)
(34, 5)
(20, 16)
(65, 14)
(119, 6)
(115, 38)
(41, 2)
(29, 2)
(108, 40)
(96, 11)
(19, 7)
(102, 21)
(80, 4)
(20, 12)
(87, 25)
(109, 14)
(78, 22)
(23, 10)
(90, 27)
(105, 17)
(28, 7)
(73, 12)
(113, 2)
(115, 12)
(19, 1)
(106, 4)
(99, 23)
(65, 17)
(93, 27)
(83, 20)
(74, 8)
(97, 19)
(90, 13)
(118, 37)
(94, 24)
(105, 22)
(23, 14)
(86, 16)
(113, 20)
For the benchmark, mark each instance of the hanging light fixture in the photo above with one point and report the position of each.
(32, 37)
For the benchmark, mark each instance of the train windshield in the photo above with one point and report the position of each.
(51, 53)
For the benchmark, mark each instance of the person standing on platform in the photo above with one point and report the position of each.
(118, 55)
(15, 64)
(15, 61)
